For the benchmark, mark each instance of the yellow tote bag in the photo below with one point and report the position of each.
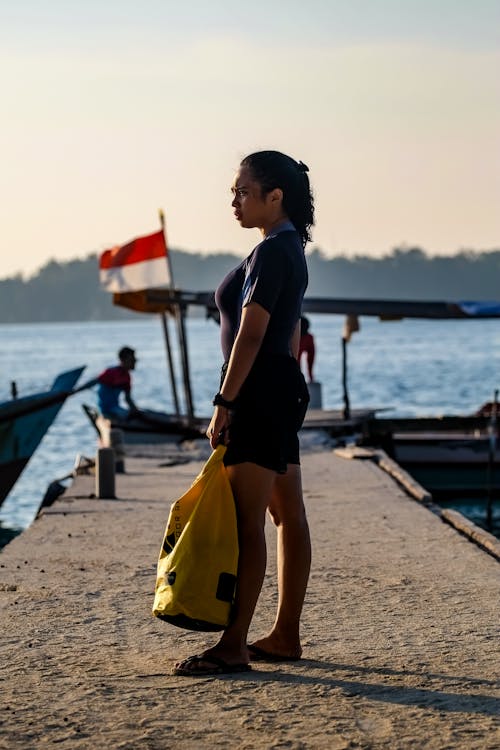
(196, 574)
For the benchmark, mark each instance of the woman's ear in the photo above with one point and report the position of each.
(276, 195)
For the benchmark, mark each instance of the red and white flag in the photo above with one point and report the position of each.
(141, 264)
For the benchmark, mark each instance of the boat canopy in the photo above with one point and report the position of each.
(383, 309)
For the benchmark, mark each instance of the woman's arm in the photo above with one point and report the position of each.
(253, 326)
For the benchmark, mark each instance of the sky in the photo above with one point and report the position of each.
(111, 110)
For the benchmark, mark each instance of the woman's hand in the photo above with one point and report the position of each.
(217, 431)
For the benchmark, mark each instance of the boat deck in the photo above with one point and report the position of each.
(335, 422)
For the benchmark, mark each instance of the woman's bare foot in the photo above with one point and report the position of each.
(272, 648)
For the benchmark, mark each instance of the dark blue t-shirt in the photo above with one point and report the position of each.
(275, 276)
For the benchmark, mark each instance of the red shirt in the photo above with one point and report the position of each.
(112, 382)
(116, 377)
(306, 346)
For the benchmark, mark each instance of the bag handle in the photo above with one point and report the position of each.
(216, 458)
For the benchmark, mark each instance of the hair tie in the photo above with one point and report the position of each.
(302, 167)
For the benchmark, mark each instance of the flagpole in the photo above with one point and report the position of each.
(170, 362)
(166, 334)
(180, 315)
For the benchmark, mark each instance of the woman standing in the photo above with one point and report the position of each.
(261, 405)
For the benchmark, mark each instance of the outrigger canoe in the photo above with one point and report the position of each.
(23, 423)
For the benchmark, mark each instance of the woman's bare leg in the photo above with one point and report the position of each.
(252, 486)
(294, 563)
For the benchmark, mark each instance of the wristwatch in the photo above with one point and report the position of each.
(219, 400)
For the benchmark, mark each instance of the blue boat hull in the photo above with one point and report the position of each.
(24, 422)
(11, 471)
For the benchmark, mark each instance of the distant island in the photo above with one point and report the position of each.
(70, 291)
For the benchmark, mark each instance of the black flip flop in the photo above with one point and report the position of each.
(204, 666)
(259, 654)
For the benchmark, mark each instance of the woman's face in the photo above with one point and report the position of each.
(251, 207)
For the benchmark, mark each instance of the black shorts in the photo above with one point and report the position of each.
(269, 412)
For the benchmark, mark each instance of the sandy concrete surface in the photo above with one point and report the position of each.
(400, 628)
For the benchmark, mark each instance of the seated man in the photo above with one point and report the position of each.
(112, 382)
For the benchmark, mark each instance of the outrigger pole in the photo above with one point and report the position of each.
(492, 432)
(351, 325)
(164, 323)
(179, 312)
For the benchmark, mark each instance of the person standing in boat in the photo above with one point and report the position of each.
(114, 381)
(306, 346)
(260, 407)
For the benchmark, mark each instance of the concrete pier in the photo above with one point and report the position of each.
(400, 628)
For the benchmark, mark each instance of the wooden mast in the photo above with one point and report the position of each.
(164, 323)
(180, 312)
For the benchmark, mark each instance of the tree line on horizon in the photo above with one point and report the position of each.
(70, 291)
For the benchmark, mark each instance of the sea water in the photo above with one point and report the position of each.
(408, 368)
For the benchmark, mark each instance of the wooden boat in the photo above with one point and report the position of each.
(152, 426)
(450, 465)
(159, 427)
(452, 457)
(23, 423)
